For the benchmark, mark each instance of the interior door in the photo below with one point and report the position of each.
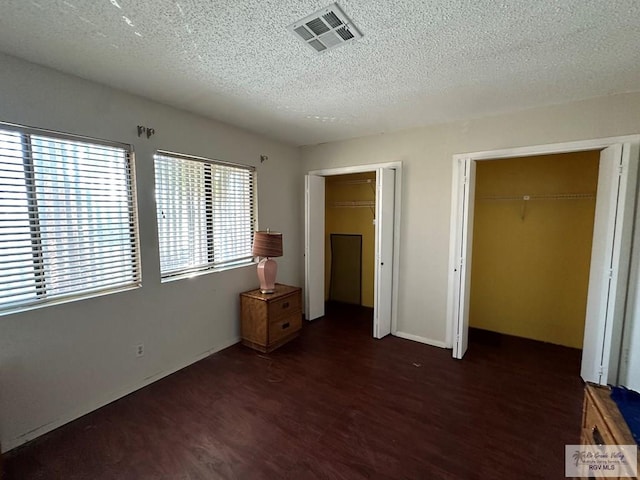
(385, 205)
(462, 285)
(605, 300)
(314, 247)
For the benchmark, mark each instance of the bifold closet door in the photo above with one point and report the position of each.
(314, 247)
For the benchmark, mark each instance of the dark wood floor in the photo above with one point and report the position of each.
(333, 404)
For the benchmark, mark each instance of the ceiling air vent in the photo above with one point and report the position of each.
(325, 29)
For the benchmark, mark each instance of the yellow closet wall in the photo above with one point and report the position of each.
(353, 221)
(530, 275)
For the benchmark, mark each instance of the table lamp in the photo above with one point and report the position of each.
(267, 244)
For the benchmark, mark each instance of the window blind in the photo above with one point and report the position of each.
(68, 224)
(206, 213)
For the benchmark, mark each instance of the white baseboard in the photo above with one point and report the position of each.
(416, 338)
(111, 397)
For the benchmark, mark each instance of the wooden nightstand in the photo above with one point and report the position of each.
(270, 320)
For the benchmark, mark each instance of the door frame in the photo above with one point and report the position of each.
(630, 150)
(373, 167)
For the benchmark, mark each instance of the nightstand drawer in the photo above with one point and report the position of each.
(595, 427)
(284, 307)
(284, 326)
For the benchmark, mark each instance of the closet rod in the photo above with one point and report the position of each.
(557, 196)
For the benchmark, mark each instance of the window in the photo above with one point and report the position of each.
(67, 217)
(206, 213)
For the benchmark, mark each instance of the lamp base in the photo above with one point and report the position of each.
(267, 269)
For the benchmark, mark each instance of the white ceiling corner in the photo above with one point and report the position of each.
(417, 63)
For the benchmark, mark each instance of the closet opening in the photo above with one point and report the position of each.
(362, 201)
(531, 249)
(610, 251)
(350, 202)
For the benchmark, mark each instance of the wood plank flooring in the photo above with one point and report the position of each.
(332, 404)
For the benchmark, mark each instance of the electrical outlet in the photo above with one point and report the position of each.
(140, 350)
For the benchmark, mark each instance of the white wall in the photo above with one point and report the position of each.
(427, 153)
(59, 362)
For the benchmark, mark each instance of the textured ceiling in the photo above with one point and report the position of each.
(418, 62)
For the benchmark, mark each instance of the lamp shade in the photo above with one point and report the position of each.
(267, 244)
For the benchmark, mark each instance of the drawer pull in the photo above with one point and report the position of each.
(285, 325)
(597, 436)
(285, 305)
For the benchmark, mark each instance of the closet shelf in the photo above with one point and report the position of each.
(557, 196)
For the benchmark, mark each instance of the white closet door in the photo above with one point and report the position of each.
(605, 300)
(462, 294)
(314, 247)
(385, 205)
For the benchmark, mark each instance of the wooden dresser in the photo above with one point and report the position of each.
(602, 423)
(270, 320)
